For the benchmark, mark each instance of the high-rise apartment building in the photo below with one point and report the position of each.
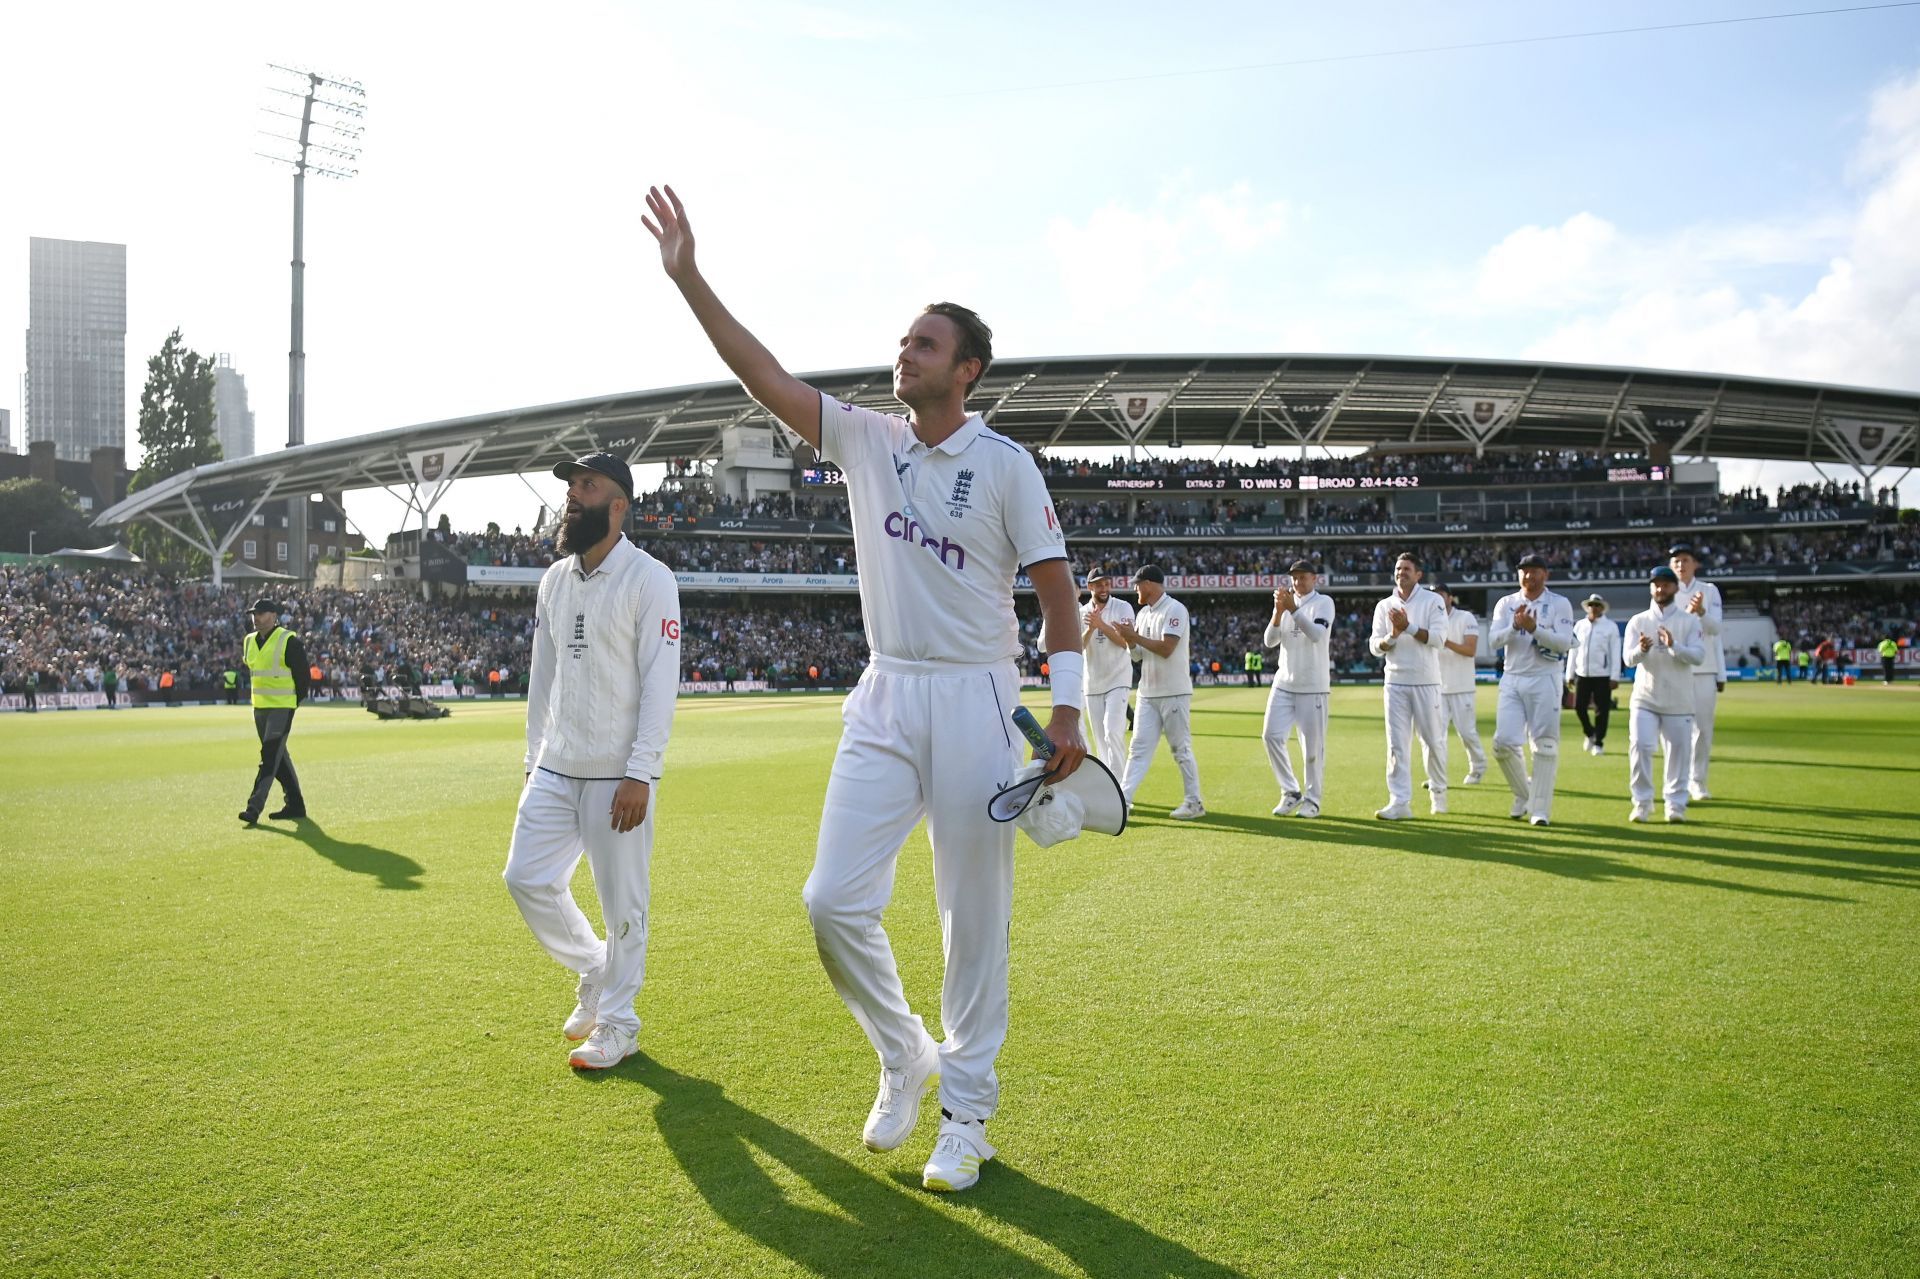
(76, 392)
(232, 419)
(6, 431)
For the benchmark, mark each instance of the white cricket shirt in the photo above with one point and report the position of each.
(1408, 660)
(1541, 650)
(939, 533)
(1715, 661)
(1167, 676)
(1303, 661)
(1456, 672)
(606, 667)
(1663, 679)
(1108, 666)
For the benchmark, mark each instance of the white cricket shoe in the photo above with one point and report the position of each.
(1307, 809)
(1519, 813)
(1537, 819)
(1188, 810)
(586, 1013)
(1472, 779)
(1641, 813)
(1439, 803)
(1394, 813)
(957, 1155)
(897, 1107)
(606, 1046)
(1676, 815)
(1287, 805)
(1698, 794)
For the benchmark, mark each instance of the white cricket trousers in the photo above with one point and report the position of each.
(1304, 713)
(1646, 728)
(559, 818)
(1107, 723)
(1458, 708)
(1528, 713)
(1415, 709)
(1153, 716)
(1706, 699)
(932, 739)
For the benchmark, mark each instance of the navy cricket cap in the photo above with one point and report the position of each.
(1664, 574)
(1439, 588)
(1533, 560)
(1149, 573)
(265, 605)
(1303, 566)
(1096, 575)
(615, 469)
(1681, 548)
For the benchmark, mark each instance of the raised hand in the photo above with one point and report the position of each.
(1666, 637)
(1398, 618)
(1523, 619)
(669, 226)
(1646, 641)
(1698, 604)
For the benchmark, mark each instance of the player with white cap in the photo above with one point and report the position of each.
(1535, 626)
(1663, 645)
(1300, 630)
(1702, 599)
(1457, 681)
(1409, 628)
(1109, 668)
(945, 512)
(1593, 668)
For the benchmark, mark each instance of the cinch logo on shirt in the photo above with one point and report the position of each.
(899, 526)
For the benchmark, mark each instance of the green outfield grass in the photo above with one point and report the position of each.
(1241, 1045)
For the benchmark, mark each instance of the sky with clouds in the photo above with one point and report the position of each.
(1111, 177)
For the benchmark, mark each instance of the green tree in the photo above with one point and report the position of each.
(50, 512)
(176, 434)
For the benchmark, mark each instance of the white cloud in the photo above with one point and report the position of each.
(1859, 322)
(1549, 266)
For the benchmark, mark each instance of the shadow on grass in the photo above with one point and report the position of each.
(392, 869)
(1562, 850)
(870, 1225)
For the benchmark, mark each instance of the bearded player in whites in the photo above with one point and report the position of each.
(1535, 626)
(1666, 644)
(1702, 599)
(945, 512)
(1300, 629)
(600, 689)
(1109, 668)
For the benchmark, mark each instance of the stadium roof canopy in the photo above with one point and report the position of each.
(1154, 402)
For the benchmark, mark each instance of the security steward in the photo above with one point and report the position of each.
(278, 667)
(230, 685)
(1255, 662)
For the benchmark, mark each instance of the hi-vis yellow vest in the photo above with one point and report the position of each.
(272, 681)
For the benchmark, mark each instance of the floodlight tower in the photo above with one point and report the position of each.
(341, 104)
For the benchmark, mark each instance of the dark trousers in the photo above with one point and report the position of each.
(1595, 692)
(1886, 668)
(1782, 673)
(273, 725)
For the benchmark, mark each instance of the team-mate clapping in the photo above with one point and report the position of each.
(1665, 644)
(1302, 677)
(1535, 626)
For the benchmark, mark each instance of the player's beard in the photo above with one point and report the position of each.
(585, 526)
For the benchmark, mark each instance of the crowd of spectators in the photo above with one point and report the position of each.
(1803, 497)
(1851, 618)
(72, 628)
(1531, 463)
(784, 640)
